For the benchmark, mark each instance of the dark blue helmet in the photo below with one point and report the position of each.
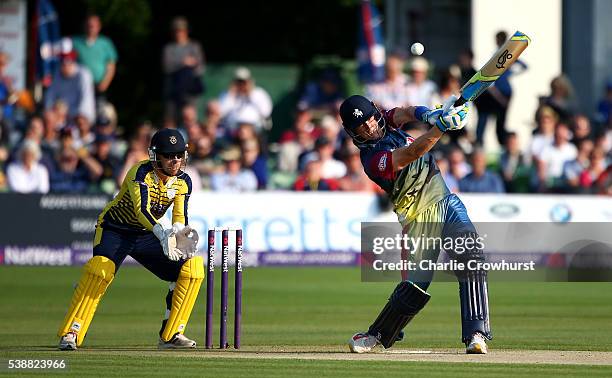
(355, 111)
(169, 143)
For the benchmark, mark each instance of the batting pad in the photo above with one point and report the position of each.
(97, 275)
(184, 296)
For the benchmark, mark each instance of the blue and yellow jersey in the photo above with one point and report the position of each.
(144, 198)
(411, 189)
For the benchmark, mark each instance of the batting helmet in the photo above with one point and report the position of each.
(355, 111)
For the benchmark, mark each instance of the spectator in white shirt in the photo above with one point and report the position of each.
(546, 119)
(244, 102)
(421, 90)
(234, 178)
(553, 158)
(26, 174)
(392, 92)
(330, 167)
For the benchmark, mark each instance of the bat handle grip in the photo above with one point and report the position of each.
(460, 101)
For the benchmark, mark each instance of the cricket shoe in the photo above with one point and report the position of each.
(68, 341)
(362, 343)
(477, 344)
(179, 341)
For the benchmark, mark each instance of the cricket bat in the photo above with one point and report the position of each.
(503, 58)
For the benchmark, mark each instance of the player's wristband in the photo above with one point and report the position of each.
(419, 112)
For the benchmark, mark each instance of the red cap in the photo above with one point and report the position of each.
(69, 55)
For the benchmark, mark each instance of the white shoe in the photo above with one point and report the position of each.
(477, 345)
(68, 341)
(179, 341)
(362, 343)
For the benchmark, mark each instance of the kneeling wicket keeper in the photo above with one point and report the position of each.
(129, 225)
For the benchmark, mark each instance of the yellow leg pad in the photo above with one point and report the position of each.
(98, 273)
(184, 296)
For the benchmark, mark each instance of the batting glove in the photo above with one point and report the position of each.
(453, 119)
(427, 115)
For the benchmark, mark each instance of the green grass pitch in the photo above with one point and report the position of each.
(310, 309)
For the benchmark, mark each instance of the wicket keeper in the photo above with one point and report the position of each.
(130, 225)
(402, 166)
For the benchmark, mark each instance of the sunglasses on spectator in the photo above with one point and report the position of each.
(178, 155)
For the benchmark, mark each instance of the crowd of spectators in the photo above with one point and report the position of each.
(74, 144)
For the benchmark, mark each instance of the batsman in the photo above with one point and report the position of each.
(130, 225)
(403, 168)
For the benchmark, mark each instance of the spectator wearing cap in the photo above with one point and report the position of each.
(183, 64)
(97, 53)
(27, 174)
(312, 180)
(420, 89)
(234, 178)
(244, 102)
(107, 125)
(73, 85)
(393, 92)
(481, 180)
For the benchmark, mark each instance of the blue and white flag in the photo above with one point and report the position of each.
(47, 60)
(371, 49)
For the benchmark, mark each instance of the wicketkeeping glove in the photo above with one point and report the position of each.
(187, 241)
(167, 239)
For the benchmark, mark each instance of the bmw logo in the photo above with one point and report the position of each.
(560, 213)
